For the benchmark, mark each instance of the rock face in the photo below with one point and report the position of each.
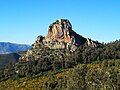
(60, 31)
(91, 43)
(60, 36)
(38, 41)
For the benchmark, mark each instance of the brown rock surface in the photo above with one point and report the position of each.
(60, 35)
(59, 30)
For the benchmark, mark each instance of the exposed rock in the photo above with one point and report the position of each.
(60, 36)
(38, 41)
(91, 43)
(59, 30)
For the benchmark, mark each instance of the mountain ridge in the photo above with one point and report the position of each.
(8, 47)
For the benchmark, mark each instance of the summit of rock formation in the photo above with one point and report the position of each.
(61, 36)
(60, 30)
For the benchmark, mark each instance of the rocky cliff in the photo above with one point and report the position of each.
(60, 36)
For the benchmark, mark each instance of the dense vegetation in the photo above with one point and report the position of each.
(85, 69)
(104, 75)
(10, 59)
(6, 59)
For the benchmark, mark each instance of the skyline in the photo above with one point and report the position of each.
(21, 21)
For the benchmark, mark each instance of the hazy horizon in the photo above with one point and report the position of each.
(21, 21)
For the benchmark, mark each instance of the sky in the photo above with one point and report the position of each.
(21, 21)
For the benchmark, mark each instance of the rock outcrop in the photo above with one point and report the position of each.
(91, 43)
(60, 31)
(60, 36)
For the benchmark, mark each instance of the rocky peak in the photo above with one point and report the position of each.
(38, 41)
(60, 31)
(61, 35)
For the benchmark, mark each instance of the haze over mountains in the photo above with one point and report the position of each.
(7, 47)
(10, 53)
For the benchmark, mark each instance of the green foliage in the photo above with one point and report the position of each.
(6, 59)
(58, 69)
(94, 76)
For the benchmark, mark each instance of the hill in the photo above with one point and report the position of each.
(7, 59)
(10, 59)
(6, 47)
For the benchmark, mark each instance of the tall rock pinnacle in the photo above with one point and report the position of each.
(60, 36)
(59, 30)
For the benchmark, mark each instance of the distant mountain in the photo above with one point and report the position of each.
(6, 47)
(10, 59)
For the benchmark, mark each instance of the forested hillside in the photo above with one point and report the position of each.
(7, 59)
(10, 59)
(85, 69)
